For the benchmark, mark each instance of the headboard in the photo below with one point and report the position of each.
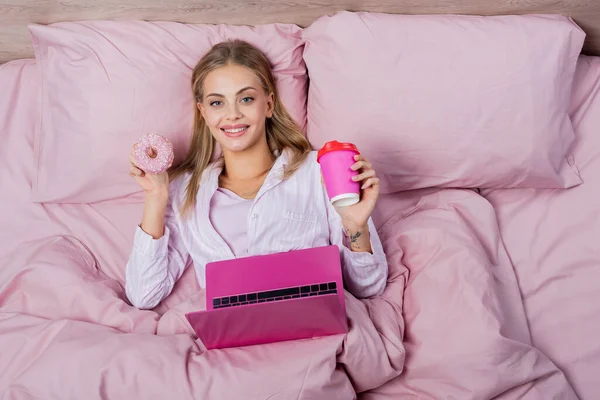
(16, 14)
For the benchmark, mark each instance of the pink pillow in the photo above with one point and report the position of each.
(453, 101)
(106, 83)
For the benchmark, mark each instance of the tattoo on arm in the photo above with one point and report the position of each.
(353, 238)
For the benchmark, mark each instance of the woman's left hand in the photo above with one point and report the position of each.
(356, 216)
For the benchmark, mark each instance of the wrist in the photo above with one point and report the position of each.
(353, 227)
(358, 240)
(159, 197)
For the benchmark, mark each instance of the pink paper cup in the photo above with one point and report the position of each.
(336, 160)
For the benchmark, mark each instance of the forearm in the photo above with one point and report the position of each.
(364, 263)
(147, 281)
(153, 219)
(359, 238)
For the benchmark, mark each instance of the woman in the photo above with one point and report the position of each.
(264, 195)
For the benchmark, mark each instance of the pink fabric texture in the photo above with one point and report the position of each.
(55, 341)
(107, 83)
(451, 101)
(466, 335)
(73, 334)
(553, 238)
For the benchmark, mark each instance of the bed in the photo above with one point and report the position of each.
(492, 289)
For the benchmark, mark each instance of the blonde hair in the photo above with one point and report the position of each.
(281, 130)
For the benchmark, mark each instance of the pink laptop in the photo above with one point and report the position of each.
(272, 298)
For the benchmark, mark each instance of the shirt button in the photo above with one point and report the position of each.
(254, 216)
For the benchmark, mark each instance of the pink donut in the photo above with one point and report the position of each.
(163, 150)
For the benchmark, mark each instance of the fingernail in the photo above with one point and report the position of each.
(354, 178)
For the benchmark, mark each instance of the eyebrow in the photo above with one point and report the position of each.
(238, 92)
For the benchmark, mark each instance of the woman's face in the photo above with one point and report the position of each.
(235, 107)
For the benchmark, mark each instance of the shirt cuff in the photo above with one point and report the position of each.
(361, 258)
(150, 247)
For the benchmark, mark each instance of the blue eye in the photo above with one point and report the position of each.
(247, 99)
(215, 103)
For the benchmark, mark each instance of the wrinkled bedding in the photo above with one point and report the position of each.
(466, 331)
(66, 325)
(451, 323)
(67, 331)
(553, 239)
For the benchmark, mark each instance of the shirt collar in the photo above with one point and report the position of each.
(275, 175)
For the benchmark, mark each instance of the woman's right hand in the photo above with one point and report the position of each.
(156, 189)
(153, 185)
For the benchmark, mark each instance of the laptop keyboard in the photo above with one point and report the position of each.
(317, 289)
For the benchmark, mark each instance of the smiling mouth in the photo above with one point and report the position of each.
(237, 131)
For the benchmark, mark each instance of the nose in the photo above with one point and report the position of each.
(233, 112)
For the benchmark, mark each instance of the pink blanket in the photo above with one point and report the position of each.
(63, 318)
(466, 331)
(553, 238)
(67, 332)
(452, 302)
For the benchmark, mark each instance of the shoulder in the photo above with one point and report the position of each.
(178, 186)
(309, 166)
(312, 166)
(312, 158)
(308, 175)
(177, 189)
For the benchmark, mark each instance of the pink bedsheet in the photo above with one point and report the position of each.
(66, 331)
(553, 238)
(466, 331)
